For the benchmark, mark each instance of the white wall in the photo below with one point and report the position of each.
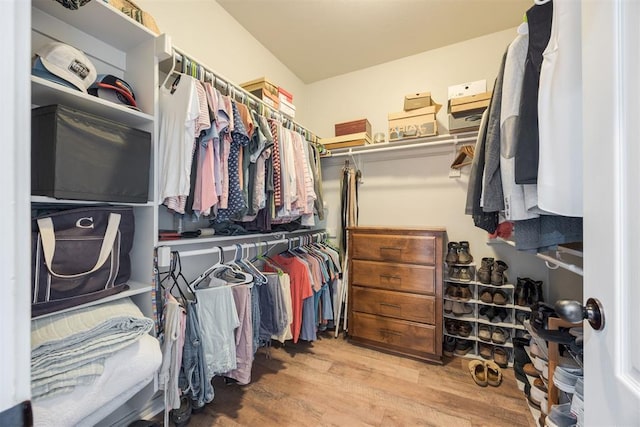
(377, 91)
(202, 28)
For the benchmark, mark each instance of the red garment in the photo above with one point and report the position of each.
(504, 230)
(300, 288)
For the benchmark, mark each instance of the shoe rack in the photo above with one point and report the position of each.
(484, 310)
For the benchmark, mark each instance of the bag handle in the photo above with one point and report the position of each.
(49, 244)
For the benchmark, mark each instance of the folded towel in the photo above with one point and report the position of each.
(67, 349)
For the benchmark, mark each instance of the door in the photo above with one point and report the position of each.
(611, 107)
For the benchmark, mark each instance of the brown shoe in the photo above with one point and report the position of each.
(530, 370)
(464, 293)
(500, 335)
(539, 384)
(486, 296)
(478, 372)
(484, 332)
(485, 350)
(464, 329)
(501, 357)
(500, 297)
(447, 306)
(463, 347)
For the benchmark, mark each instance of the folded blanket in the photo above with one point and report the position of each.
(68, 342)
(125, 373)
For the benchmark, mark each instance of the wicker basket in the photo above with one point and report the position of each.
(133, 11)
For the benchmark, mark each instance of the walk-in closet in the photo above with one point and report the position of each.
(318, 213)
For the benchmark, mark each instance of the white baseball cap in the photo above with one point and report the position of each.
(69, 64)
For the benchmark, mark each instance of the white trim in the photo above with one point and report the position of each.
(15, 129)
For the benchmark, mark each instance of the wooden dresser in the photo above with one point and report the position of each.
(395, 289)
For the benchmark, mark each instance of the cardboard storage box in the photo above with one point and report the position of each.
(413, 124)
(286, 95)
(346, 141)
(465, 122)
(414, 101)
(77, 155)
(261, 83)
(469, 104)
(354, 126)
(287, 108)
(465, 113)
(267, 97)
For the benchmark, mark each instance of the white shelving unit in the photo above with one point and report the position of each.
(509, 323)
(116, 45)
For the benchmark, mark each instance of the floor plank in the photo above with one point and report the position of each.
(332, 382)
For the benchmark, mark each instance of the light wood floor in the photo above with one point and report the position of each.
(334, 383)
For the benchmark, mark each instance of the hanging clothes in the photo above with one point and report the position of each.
(349, 200)
(560, 114)
(527, 155)
(177, 117)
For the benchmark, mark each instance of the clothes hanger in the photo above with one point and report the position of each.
(466, 151)
(177, 276)
(252, 269)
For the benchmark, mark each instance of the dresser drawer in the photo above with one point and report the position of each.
(404, 249)
(400, 277)
(397, 333)
(419, 308)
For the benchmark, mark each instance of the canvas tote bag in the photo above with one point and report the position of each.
(79, 256)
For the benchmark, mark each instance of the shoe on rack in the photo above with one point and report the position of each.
(464, 256)
(501, 356)
(454, 274)
(498, 278)
(500, 297)
(460, 309)
(452, 253)
(531, 370)
(478, 371)
(451, 326)
(494, 374)
(485, 270)
(464, 328)
(464, 293)
(500, 335)
(463, 347)
(447, 306)
(485, 350)
(486, 296)
(448, 346)
(487, 312)
(451, 292)
(521, 316)
(522, 291)
(465, 275)
(500, 315)
(534, 288)
(484, 332)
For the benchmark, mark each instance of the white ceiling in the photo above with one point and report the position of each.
(317, 39)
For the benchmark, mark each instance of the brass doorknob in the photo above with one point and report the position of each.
(574, 312)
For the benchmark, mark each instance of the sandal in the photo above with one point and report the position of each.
(494, 374)
(478, 372)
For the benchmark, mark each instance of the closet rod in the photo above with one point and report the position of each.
(391, 147)
(310, 136)
(265, 243)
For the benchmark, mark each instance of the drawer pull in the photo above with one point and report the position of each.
(390, 332)
(390, 248)
(389, 278)
(386, 304)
